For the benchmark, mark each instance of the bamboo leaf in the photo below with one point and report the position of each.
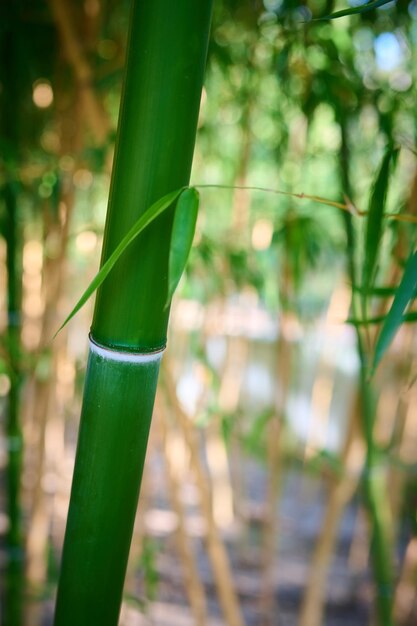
(379, 292)
(374, 225)
(363, 8)
(183, 230)
(395, 317)
(407, 318)
(145, 219)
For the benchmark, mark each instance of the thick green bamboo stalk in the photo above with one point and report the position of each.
(15, 557)
(11, 78)
(158, 119)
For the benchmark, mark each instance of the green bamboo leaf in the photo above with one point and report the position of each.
(363, 8)
(395, 317)
(374, 225)
(183, 230)
(407, 318)
(379, 292)
(149, 216)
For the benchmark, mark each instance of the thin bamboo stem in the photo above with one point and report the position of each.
(374, 481)
(193, 584)
(216, 549)
(341, 492)
(44, 395)
(406, 592)
(93, 110)
(275, 431)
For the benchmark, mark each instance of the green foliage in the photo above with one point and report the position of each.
(148, 566)
(404, 294)
(255, 437)
(363, 8)
(410, 317)
(182, 236)
(147, 218)
(374, 224)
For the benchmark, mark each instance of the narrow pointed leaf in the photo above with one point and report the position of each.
(395, 317)
(183, 230)
(407, 318)
(374, 225)
(149, 216)
(379, 292)
(363, 8)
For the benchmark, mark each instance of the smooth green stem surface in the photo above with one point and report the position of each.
(112, 441)
(12, 80)
(158, 120)
(154, 149)
(374, 479)
(15, 554)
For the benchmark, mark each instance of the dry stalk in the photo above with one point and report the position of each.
(216, 549)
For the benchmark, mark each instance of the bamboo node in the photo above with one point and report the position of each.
(129, 357)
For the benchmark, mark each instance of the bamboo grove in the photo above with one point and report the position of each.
(279, 482)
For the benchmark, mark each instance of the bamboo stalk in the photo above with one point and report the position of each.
(215, 547)
(374, 480)
(342, 490)
(223, 496)
(406, 592)
(193, 584)
(95, 114)
(44, 395)
(275, 432)
(10, 135)
(158, 120)
(15, 553)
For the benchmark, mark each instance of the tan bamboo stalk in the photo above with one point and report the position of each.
(92, 108)
(405, 595)
(229, 395)
(44, 390)
(193, 585)
(322, 392)
(218, 466)
(359, 548)
(397, 477)
(53, 282)
(216, 549)
(274, 433)
(223, 496)
(352, 461)
(406, 592)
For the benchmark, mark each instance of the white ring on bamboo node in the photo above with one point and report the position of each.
(127, 357)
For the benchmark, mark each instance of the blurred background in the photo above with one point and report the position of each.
(280, 485)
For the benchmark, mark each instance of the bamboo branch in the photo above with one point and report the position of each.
(95, 114)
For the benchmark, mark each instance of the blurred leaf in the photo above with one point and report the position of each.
(138, 603)
(407, 318)
(379, 292)
(149, 568)
(405, 292)
(326, 460)
(374, 224)
(149, 216)
(227, 425)
(183, 230)
(363, 8)
(253, 439)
